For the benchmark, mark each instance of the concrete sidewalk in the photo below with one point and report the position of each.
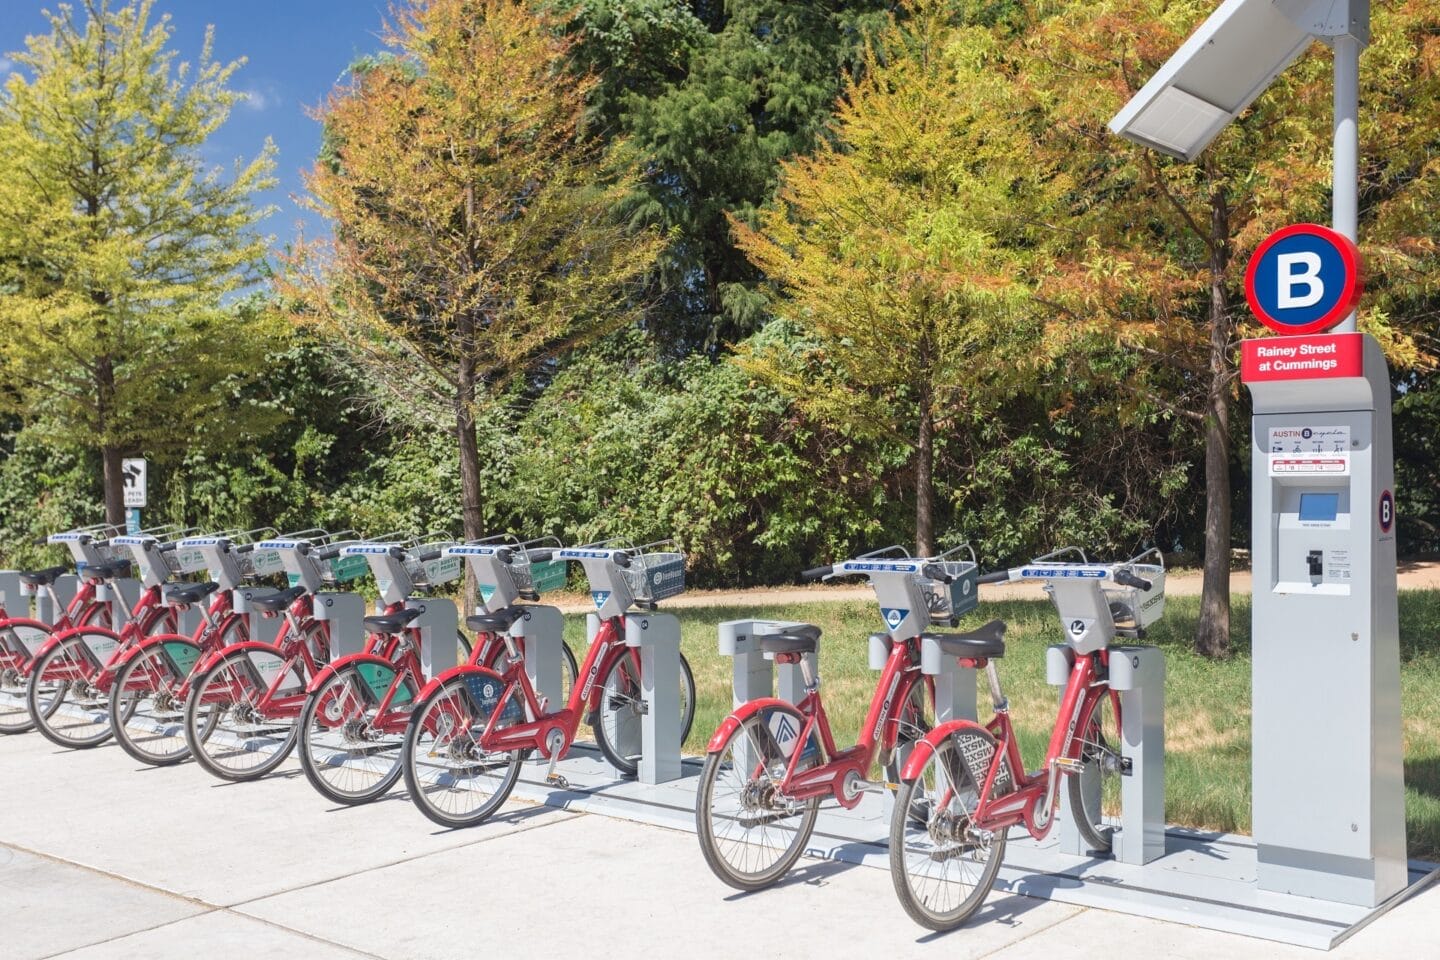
(101, 857)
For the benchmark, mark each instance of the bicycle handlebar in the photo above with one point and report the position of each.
(245, 548)
(323, 555)
(1126, 579)
(541, 556)
(816, 573)
(622, 559)
(428, 555)
(936, 572)
(995, 576)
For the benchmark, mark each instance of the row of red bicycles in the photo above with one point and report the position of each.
(118, 666)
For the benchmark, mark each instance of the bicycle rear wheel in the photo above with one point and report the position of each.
(62, 697)
(617, 720)
(349, 752)
(1094, 791)
(750, 834)
(245, 740)
(942, 866)
(454, 780)
(18, 641)
(147, 711)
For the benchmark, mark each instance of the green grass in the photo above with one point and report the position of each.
(1207, 702)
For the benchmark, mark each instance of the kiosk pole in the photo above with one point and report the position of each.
(1345, 212)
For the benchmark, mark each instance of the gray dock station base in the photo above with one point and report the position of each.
(1204, 879)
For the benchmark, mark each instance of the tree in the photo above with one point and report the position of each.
(714, 95)
(119, 246)
(1146, 251)
(475, 229)
(891, 250)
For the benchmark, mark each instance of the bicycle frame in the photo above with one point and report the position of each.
(219, 617)
(82, 606)
(147, 613)
(290, 647)
(392, 653)
(841, 772)
(1031, 798)
(540, 733)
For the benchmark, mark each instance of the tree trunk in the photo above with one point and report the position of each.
(924, 481)
(114, 485)
(469, 460)
(1212, 632)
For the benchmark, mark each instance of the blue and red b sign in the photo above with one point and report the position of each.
(1303, 279)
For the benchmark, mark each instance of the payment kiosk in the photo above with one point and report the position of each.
(1329, 807)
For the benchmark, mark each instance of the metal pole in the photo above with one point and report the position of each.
(1346, 188)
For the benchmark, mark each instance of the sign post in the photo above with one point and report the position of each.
(135, 472)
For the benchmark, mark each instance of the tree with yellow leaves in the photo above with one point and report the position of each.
(119, 245)
(894, 256)
(476, 236)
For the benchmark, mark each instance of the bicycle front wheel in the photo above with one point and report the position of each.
(942, 865)
(17, 643)
(622, 705)
(1094, 791)
(750, 833)
(62, 695)
(349, 750)
(451, 777)
(234, 731)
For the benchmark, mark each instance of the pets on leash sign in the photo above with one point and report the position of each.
(1303, 279)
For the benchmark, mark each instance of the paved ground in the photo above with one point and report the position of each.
(1413, 575)
(102, 858)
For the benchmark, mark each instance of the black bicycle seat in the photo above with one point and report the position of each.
(188, 593)
(42, 578)
(986, 643)
(801, 639)
(108, 570)
(498, 622)
(277, 601)
(391, 622)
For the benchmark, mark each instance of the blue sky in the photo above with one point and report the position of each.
(296, 50)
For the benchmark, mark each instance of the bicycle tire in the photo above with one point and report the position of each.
(430, 772)
(14, 711)
(621, 701)
(87, 701)
(759, 738)
(207, 751)
(909, 828)
(1098, 750)
(379, 786)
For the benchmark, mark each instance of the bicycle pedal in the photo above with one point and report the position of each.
(556, 780)
(1070, 764)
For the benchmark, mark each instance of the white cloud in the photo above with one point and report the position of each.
(260, 99)
(5, 65)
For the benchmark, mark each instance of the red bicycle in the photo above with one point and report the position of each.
(965, 785)
(68, 682)
(474, 726)
(22, 637)
(769, 764)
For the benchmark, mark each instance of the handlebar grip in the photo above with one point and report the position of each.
(504, 555)
(1126, 579)
(168, 547)
(329, 554)
(397, 552)
(622, 559)
(936, 572)
(995, 576)
(40, 542)
(541, 556)
(244, 548)
(816, 573)
(428, 555)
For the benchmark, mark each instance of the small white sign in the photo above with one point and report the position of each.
(134, 473)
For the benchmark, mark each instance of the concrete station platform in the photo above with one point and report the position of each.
(101, 857)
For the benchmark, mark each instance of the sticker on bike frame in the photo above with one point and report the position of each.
(1065, 573)
(599, 596)
(487, 691)
(894, 616)
(976, 752)
(268, 666)
(378, 678)
(182, 655)
(785, 727)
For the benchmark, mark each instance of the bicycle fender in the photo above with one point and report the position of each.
(924, 749)
(58, 638)
(328, 673)
(747, 710)
(19, 624)
(216, 656)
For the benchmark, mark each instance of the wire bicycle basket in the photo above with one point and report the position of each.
(951, 601)
(656, 571)
(1134, 609)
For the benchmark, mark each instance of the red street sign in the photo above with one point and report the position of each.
(1301, 358)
